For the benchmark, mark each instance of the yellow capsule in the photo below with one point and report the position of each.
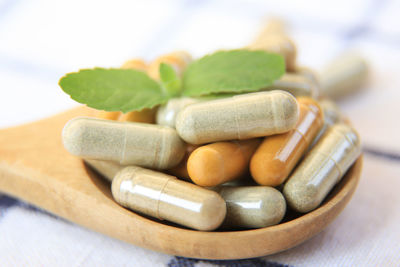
(343, 76)
(127, 143)
(181, 169)
(108, 115)
(146, 115)
(163, 196)
(295, 84)
(220, 162)
(322, 168)
(239, 117)
(279, 44)
(166, 114)
(252, 206)
(277, 155)
(136, 64)
(179, 60)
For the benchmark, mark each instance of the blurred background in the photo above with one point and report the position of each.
(42, 40)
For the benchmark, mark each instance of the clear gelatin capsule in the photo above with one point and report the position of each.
(128, 143)
(239, 117)
(252, 206)
(277, 155)
(164, 197)
(166, 113)
(322, 168)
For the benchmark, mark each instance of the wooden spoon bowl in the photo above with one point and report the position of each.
(35, 167)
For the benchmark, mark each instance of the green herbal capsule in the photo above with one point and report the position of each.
(252, 206)
(166, 114)
(343, 76)
(128, 143)
(322, 168)
(239, 117)
(163, 196)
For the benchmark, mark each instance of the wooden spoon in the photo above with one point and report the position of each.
(35, 167)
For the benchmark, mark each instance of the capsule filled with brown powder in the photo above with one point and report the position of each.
(277, 155)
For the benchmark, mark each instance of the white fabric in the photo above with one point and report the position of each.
(42, 40)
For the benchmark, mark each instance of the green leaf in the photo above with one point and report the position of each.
(216, 96)
(233, 71)
(170, 79)
(113, 89)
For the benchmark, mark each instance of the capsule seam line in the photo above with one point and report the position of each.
(336, 164)
(123, 152)
(237, 122)
(159, 143)
(274, 112)
(158, 199)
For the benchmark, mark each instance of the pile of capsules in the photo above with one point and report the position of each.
(229, 163)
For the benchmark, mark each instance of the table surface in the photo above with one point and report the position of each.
(42, 40)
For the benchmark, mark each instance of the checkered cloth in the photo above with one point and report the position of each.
(42, 40)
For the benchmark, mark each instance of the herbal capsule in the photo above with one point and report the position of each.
(239, 117)
(332, 115)
(107, 169)
(307, 73)
(295, 84)
(136, 64)
(166, 114)
(279, 44)
(167, 198)
(277, 155)
(142, 144)
(322, 168)
(312, 77)
(181, 169)
(220, 162)
(108, 115)
(343, 76)
(179, 60)
(252, 206)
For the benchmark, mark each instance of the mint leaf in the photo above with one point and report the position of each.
(170, 79)
(216, 96)
(233, 71)
(113, 89)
